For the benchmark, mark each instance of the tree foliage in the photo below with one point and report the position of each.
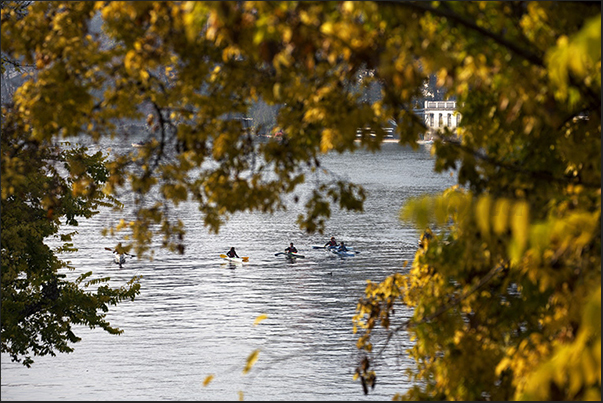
(505, 287)
(43, 187)
(506, 283)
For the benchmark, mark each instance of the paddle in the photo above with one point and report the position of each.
(125, 253)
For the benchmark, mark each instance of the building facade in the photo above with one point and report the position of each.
(439, 114)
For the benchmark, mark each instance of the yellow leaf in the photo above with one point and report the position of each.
(208, 380)
(327, 28)
(502, 366)
(128, 59)
(483, 214)
(253, 357)
(276, 91)
(501, 215)
(519, 226)
(326, 141)
(259, 319)
(122, 224)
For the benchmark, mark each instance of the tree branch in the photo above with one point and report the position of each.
(444, 11)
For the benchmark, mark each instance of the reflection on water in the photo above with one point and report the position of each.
(195, 315)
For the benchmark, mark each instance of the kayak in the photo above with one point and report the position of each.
(119, 258)
(243, 259)
(329, 247)
(290, 255)
(348, 253)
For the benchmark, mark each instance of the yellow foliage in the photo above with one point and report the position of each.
(520, 227)
(327, 141)
(259, 319)
(483, 213)
(578, 56)
(505, 258)
(208, 380)
(574, 367)
(501, 215)
(251, 360)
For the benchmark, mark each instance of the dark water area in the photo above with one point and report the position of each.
(195, 314)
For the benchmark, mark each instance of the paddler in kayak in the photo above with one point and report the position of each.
(291, 248)
(342, 247)
(232, 253)
(331, 243)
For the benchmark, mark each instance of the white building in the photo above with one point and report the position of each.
(439, 114)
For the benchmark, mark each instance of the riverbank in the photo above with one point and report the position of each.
(390, 140)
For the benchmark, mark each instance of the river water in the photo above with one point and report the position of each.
(195, 314)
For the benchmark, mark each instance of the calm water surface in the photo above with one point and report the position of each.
(195, 314)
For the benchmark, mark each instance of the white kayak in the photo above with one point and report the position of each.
(243, 259)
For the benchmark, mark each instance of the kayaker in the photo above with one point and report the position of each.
(232, 253)
(291, 248)
(342, 247)
(119, 258)
(331, 243)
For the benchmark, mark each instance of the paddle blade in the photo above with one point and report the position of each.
(223, 255)
(245, 258)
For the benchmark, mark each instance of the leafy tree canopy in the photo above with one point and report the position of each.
(506, 284)
(44, 186)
